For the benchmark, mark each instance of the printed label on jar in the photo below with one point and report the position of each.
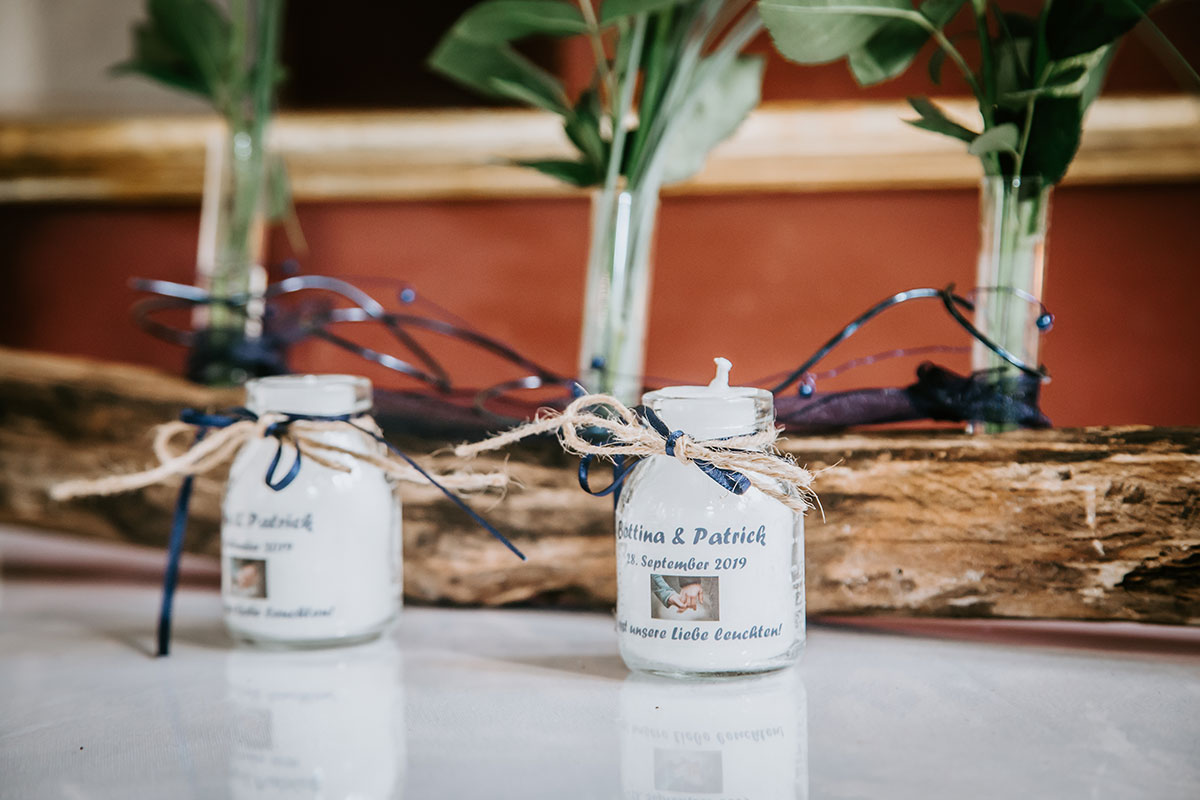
(263, 551)
(711, 597)
(293, 574)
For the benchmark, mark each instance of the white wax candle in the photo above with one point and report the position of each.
(708, 582)
(319, 561)
(715, 411)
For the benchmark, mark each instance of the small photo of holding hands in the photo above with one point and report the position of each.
(685, 597)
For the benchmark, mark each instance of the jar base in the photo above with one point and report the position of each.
(789, 659)
(261, 642)
(705, 675)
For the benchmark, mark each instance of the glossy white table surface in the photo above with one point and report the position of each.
(532, 704)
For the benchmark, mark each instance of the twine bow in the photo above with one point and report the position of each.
(736, 463)
(226, 433)
(215, 440)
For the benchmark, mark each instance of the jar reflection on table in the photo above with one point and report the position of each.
(743, 738)
(321, 724)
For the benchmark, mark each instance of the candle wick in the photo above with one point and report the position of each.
(721, 381)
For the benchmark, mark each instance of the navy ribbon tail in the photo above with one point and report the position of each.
(621, 468)
(466, 509)
(174, 553)
(286, 480)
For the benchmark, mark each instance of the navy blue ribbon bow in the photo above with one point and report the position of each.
(728, 479)
(205, 422)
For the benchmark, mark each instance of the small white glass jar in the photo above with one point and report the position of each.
(317, 563)
(709, 582)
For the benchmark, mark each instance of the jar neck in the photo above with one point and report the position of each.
(705, 415)
(313, 395)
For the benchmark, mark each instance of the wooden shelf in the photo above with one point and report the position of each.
(462, 154)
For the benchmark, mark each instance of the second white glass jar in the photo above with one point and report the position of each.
(317, 563)
(709, 582)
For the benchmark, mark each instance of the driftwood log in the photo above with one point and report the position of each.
(1099, 523)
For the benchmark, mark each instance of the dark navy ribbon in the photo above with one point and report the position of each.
(728, 479)
(621, 467)
(204, 423)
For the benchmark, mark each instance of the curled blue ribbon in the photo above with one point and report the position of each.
(205, 422)
(728, 479)
(621, 467)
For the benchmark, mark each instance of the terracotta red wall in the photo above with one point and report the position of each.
(761, 279)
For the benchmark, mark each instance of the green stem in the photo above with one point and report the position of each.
(656, 71)
(626, 83)
(987, 70)
(1043, 76)
(729, 12)
(685, 56)
(987, 74)
(593, 34)
(714, 65)
(1176, 58)
(684, 82)
(247, 113)
(1012, 260)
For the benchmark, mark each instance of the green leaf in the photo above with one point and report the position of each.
(498, 21)
(717, 105)
(934, 119)
(528, 94)
(613, 10)
(1063, 83)
(1012, 57)
(1000, 138)
(820, 31)
(583, 128)
(895, 45)
(154, 59)
(1074, 27)
(184, 44)
(1068, 77)
(1096, 74)
(1053, 137)
(494, 70)
(200, 33)
(576, 173)
(476, 51)
(936, 60)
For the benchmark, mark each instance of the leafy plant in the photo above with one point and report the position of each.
(195, 47)
(675, 63)
(232, 61)
(1036, 76)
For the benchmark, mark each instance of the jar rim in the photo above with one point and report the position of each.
(705, 413)
(706, 393)
(328, 394)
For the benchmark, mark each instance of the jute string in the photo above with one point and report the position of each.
(177, 458)
(753, 455)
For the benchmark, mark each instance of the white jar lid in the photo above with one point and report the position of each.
(319, 395)
(715, 411)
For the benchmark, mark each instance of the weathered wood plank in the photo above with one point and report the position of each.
(454, 154)
(1099, 523)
